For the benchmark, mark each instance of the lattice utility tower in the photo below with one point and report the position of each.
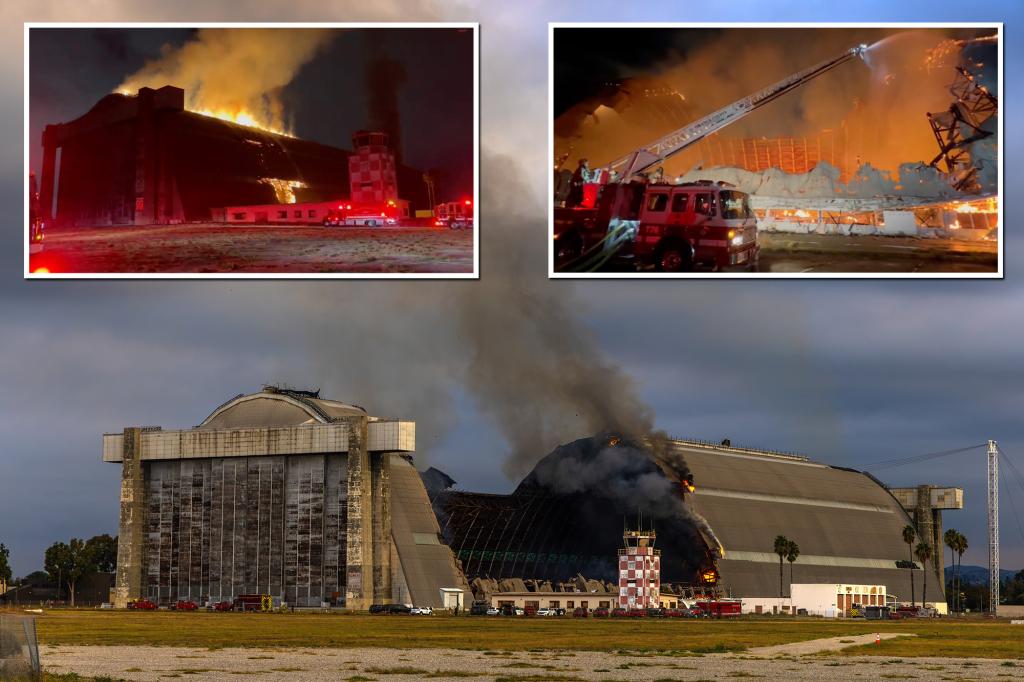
(993, 527)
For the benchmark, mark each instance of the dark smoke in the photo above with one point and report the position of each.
(383, 78)
(623, 473)
(512, 341)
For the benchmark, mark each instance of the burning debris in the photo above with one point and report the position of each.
(284, 190)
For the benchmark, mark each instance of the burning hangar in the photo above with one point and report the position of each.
(144, 159)
(717, 510)
(315, 502)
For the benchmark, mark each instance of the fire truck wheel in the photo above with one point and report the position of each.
(570, 246)
(675, 257)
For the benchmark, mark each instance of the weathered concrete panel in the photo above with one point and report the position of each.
(359, 553)
(380, 470)
(157, 444)
(132, 527)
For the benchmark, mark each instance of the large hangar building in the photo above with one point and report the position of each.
(546, 535)
(282, 492)
(144, 159)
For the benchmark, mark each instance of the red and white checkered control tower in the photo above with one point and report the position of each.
(371, 169)
(639, 570)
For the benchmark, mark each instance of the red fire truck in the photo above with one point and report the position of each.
(363, 215)
(672, 227)
(455, 215)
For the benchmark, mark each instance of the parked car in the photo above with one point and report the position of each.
(479, 608)
(493, 611)
(142, 605)
(545, 612)
(559, 612)
(219, 606)
(655, 613)
(601, 613)
(619, 613)
(184, 605)
(421, 611)
(523, 612)
(579, 612)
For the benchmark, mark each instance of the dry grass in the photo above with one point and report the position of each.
(491, 635)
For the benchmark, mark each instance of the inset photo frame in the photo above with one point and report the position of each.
(251, 150)
(776, 150)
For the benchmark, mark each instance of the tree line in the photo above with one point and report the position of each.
(66, 564)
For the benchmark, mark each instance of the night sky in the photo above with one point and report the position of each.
(849, 372)
(589, 61)
(71, 69)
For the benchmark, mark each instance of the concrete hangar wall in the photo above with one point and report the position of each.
(283, 493)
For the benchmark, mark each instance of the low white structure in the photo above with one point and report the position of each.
(830, 600)
(452, 598)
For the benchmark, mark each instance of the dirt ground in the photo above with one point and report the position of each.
(217, 248)
(159, 663)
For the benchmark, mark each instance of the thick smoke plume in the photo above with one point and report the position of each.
(512, 342)
(622, 473)
(879, 104)
(234, 72)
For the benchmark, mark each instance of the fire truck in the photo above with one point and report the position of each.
(363, 215)
(455, 215)
(671, 227)
(35, 217)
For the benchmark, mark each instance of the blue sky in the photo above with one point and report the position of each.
(849, 372)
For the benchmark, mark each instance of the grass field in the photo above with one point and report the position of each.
(942, 637)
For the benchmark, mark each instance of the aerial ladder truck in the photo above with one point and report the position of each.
(673, 227)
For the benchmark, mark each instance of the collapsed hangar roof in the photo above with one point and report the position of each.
(847, 523)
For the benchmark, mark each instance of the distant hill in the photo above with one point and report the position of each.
(979, 574)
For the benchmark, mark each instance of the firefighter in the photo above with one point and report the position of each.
(582, 176)
(658, 176)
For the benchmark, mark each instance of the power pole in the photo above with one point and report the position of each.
(993, 527)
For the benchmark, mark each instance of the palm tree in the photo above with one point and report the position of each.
(949, 538)
(782, 549)
(791, 555)
(923, 552)
(909, 534)
(961, 547)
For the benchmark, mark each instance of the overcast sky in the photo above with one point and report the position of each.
(848, 372)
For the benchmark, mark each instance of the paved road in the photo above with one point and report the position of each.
(820, 254)
(817, 646)
(805, 253)
(219, 248)
(153, 664)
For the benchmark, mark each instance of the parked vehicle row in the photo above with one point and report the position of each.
(482, 608)
(401, 609)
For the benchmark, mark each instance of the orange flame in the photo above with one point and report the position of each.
(243, 118)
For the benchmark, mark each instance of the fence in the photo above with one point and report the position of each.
(19, 650)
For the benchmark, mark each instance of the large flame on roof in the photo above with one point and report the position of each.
(244, 118)
(234, 74)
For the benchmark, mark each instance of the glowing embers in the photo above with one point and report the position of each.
(244, 118)
(982, 214)
(284, 190)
